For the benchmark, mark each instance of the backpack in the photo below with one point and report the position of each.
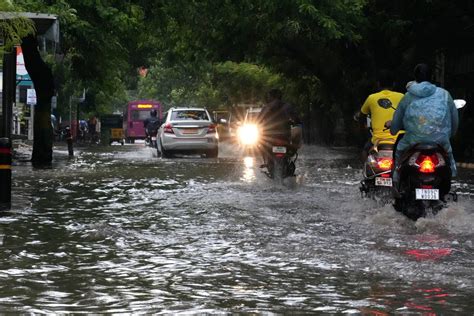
(429, 116)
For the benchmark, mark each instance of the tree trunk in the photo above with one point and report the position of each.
(42, 78)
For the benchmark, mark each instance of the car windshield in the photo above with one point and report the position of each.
(189, 115)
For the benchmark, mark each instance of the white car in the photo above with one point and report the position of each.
(188, 131)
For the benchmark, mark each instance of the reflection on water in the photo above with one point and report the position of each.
(122, 231)
(249, 170)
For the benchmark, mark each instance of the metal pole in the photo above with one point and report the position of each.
(9, 93)
(5, 172)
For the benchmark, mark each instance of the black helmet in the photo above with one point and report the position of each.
(153, 113)
(422, 73)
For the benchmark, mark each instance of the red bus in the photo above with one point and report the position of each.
(135, 113)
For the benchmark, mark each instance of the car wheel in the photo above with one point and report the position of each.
(164, 153)
(212, 153)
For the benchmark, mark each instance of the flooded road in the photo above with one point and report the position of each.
(118, 230)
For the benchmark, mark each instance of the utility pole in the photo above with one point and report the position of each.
(9, 93)
(8, 97)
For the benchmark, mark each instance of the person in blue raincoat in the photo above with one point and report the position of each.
(427, 114)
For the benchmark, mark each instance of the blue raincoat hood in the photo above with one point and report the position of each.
(422, 89)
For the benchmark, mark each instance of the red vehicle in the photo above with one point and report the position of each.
(135, 113)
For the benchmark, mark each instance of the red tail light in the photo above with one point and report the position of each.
(385, 163)
(427, 163)
(211, 129)
(168, 128)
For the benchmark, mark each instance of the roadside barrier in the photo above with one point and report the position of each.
(5, 171)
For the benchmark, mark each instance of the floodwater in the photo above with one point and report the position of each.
(118, 230)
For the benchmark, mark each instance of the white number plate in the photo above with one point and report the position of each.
(153, 138)
(427, 194)
(279, 149)
(383, 182)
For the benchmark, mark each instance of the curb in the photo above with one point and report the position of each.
(467, 165)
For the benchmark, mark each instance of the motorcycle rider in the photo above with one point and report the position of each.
(428, 115)
(380, 106)
(151, 124)
(275, 120)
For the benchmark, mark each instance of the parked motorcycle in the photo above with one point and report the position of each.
(425, 179)
(377, 172)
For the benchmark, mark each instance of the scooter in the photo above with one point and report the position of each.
(151, 133)
(279, 153)
(425, 179)
(150, 139)
(377, 172)
(280, 158)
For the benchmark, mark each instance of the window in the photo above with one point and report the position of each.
(140, 115)
(189, 115)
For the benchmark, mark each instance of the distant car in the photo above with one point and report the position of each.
(188, 131)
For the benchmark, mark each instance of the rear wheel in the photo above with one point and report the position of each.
(164, 153)
(212, 153)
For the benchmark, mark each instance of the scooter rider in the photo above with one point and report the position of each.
(380, 106)
(151, 123)
(276, 119)
(428, 115)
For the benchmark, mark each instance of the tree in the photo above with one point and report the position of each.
(43, 81)
(306, 42)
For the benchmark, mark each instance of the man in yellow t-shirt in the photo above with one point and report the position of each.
(380, 106)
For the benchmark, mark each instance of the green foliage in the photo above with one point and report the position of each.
(324, 54)
(13, 27)
(243, 82)
(211, 86)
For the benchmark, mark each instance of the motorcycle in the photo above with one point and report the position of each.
(151, 134)
(425, 179)
(377, 171)
(280, 154)
(280, 158)
(150, 139)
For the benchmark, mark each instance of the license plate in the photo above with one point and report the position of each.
(427, 194)
(190, 131)
(279, 149)
(383, 182)
(153, 138)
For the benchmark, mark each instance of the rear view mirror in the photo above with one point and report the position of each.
(459, 103)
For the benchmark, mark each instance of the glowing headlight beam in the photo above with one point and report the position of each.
(248, 134)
